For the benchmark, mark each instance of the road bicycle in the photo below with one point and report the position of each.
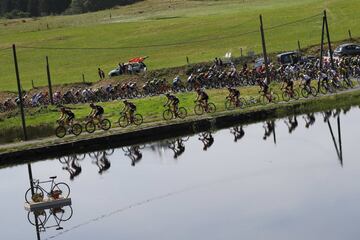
(231, 103)
(200, 108)
(57, 191)
(306, 91)
(290, 94)
(64, 129)
(169, 113)
(270, 97)
(125, 120)
(92, 123)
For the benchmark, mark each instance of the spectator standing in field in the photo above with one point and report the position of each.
(101, 73)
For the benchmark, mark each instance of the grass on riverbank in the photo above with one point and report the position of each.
(41, 122)
(217, 24)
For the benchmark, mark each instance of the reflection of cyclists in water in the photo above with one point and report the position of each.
(309, 119)
(72, 166)
(177, 146)
(207, 139)
(336, 112)
(238, 132)
(292, 123)
(103, 163)
(327, 115)
(134, 154)
(346, 110)
(269, 127)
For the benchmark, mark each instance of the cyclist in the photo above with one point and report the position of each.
(96, 112)
(306, 81)
(288, 84)
(202, 97)
(130, 109)
(264, 88)
(66, 115)
(174, 101)
(234, 95)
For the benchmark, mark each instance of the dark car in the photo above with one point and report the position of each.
(348, 49)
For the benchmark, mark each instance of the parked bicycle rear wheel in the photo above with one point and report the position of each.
(198, 109)
(90, 127)
(60, 131)
(60, 190)
(38, 195)
(105, 124)
(168, 114)
(76, 129)
(182, 112)
(138, 119)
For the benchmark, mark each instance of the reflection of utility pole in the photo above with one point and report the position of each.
(274, 132)
(338, 149)
(31, 180)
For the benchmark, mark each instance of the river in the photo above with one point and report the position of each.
(292, 178)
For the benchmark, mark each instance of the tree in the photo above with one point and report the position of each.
(33, 8)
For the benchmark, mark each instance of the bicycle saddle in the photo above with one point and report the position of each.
(53, 177)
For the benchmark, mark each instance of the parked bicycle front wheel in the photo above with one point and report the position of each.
(138, 119)
(60, 131)
(182, 113)
(39, 214)
(90, 127)
(105, 124)
(167, 115)
(38, 195)
(60, 190)
(76, 129)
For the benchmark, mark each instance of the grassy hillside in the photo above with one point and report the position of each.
(216, 26)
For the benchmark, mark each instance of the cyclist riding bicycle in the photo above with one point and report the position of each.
(264, 88)
(202, 97)
(234, 95)
(130, 109)
(96, 112)
(66, 115)
(305, 80)
(288, 84)
(174, 101)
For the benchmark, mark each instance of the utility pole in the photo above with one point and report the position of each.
(49, 80)
(329, 41)
(299, 47)
(350, 36)
(20, 93)
(264, 49)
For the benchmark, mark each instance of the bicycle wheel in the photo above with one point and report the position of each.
(296, 95)
(286, 97)
(63, 214)
(198, 109)
(229, 105)
(242, 103)
(211, 108)
(60, 131)
(314, 92)
(138, 119)
(304, 92)
(109, 151)
(90, 127)
(182, 113)
(76, 129)
(323, 89)
(105, 124)
(264, 100)
(60, 190)
(40, 215)
(123, 121)
(168, 115)
(275, 98)
(38, 195)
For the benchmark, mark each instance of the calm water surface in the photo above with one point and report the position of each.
(209, 186)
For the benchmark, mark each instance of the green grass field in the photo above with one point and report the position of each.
(161, 23)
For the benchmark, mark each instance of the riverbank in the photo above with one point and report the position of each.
(51, 147)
